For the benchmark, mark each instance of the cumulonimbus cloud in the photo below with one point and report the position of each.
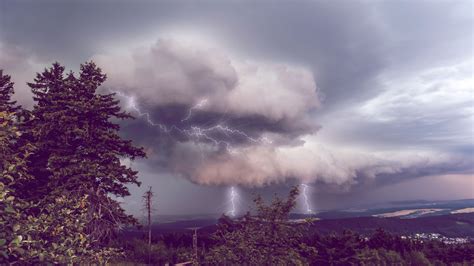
(170, 72)
(238, 122)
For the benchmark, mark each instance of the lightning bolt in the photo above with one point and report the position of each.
(194, 132)
(131, 104)
(197, 133)
(233, 197)
(199, 105)
(306, 199)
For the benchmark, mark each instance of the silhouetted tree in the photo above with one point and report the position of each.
(147, 198)
(12, 168)
(6, 91)
(26, 238)
(78, 149)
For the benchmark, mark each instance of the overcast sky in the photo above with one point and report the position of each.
(363, 101)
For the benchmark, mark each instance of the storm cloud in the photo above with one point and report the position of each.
(171, 72)
(227, 121)
(350, 95)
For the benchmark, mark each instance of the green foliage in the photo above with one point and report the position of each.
(12, 169)
(29, 238)
(379, 257)
(382, 239)
(6, 91)
(416, 258)
(136, 251)
(56, 234)
(383, 248)
(232, 243)
(10, 207)
(78, 149)
(60, 165)
(449, 253)
(339, 249)
(268, 238)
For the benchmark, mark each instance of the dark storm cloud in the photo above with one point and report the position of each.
(52, 29)
(394, 82)
(315, 33)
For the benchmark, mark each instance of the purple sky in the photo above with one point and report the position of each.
(364, 101)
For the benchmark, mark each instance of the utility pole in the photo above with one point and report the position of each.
(195, 259)
(147, 197)
(195, 246)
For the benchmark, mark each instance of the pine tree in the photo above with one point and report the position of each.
(79, 148)
(6, 92)
(147, 197)
(11, 169)
(7, 111)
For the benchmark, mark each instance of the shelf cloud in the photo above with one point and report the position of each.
(227, 121)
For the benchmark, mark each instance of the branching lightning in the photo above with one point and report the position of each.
(197, 133)
(132, 104)
(194, 132)
(306, 199)
(199, 105)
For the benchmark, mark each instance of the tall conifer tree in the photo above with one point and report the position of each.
(6, 92)
(78, 146)
(11, 168)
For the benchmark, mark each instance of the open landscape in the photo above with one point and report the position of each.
(454, 221)
(180, 132)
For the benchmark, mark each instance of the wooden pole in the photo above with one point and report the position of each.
(148, 196)
(195, 262)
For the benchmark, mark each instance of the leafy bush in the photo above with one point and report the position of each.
(268, 238)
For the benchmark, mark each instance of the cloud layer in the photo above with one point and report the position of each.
(385, 90)
(316, 163)
(172, 72)
(228, 121)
